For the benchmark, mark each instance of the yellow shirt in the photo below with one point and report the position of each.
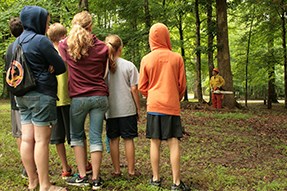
(216, 81)
(63, 93)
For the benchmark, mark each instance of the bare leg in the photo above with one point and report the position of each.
(27, 154)
(115, 154)
(61, 150)
(174, 148)
(154, 157)
(18, 141)
(86, 152)
(81, 159)
(42, 138)
(130, 155)
(96, 164)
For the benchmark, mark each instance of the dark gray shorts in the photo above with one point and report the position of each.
(61, 130)
(163, 127)
(16, 123)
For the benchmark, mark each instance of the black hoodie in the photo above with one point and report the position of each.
(39, 51)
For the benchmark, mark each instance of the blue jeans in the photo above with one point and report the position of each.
(96, 107)
(37, 108)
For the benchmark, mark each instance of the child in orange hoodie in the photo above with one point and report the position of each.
(163, 82)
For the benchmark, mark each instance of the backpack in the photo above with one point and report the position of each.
(19, 77)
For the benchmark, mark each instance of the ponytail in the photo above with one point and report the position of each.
(114, 43)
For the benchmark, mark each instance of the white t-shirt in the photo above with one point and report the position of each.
(121, 102)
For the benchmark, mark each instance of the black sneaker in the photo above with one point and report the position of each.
(97, 184)
(156, 183)
(24, 173)
(76, 180)
(181, 186)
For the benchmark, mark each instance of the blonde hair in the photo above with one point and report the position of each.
(114, 43)
(56, 32)
(80, 39)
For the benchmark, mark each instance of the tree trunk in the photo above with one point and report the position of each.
(84, 5)
(223, 55)
(147, 18)
(272, 96)
(147, 14)
(247, 60)
(271, 77)
(284, 50)
(164, 17)
(210, 30)
(181, 36)
(198, 54)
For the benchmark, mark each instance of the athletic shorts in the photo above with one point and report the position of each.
(16, 123)
(163, 127)
(61, 130)
(125, 127)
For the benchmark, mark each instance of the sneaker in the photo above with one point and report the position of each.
(116, 175)
(156, 183)
(66, 174)
(181, 186)
(89, 168)
(97, 184)
(24, 174)
(76, 180)
(137, 174)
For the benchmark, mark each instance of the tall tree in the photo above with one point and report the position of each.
(147, 17)
(223, 55)
(198, 54)
(210, 38)
(283, 20)
(247, 59)
(84, 5)
(271, 61)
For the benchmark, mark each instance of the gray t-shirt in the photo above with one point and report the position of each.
(121, 101)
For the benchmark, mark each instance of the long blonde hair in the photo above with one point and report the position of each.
(80, 39)
(114, 43)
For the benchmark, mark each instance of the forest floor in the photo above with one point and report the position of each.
(224, 150)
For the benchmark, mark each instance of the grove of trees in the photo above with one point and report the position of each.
(245, 39)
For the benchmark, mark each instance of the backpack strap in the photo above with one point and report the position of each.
(23, 41)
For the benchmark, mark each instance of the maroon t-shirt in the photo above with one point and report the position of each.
(86, 75)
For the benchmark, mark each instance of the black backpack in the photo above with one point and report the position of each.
(19, 78)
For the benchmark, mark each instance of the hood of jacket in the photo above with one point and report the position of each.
(159, 37)
(34, 19)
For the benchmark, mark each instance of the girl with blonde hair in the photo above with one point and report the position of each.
(86, 57)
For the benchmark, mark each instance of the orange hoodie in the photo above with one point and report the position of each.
(162, 76)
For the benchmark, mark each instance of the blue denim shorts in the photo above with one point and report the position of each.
(95, 107)
(37, 108)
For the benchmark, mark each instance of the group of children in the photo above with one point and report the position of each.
(101, 84)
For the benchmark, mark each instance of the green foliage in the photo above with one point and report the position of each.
(240, 19)
(130, 19)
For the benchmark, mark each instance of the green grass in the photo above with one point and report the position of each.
(226, 151)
